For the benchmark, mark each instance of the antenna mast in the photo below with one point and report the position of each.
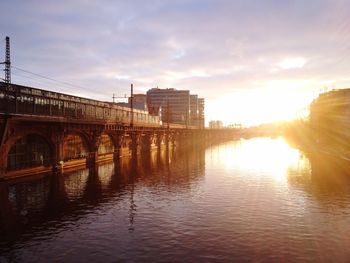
(7, 62)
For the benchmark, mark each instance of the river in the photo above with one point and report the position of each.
(255, 200)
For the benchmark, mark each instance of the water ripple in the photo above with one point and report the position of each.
(254, 200)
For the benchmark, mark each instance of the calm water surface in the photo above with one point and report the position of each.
(250, 200)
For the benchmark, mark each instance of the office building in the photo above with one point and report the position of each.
(216, 125)
(201, 116)
(172, 104)
(139, 102)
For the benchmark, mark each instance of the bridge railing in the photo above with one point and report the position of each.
(17, 99)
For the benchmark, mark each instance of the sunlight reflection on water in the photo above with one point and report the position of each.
(246, 200)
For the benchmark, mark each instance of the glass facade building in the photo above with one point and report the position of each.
(176, 106)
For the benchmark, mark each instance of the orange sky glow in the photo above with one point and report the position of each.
(252, 61)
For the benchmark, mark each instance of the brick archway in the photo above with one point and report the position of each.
(29, 149)
(75, 145)
(106, 144)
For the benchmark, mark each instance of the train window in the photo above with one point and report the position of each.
(90, 110)
(80, 110)
(11, 88)
(106, 113)
(36, 92)
(55, 107)
(69, 108)
(51, 94)
(99, 112)
(26, 91)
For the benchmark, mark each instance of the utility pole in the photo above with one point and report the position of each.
(7, 62)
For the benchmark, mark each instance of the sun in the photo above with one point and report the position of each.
(264, 105)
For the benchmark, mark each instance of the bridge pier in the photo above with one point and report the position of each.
(58, 159)
(125, 146)
(148, 142)
(135, 144)
(92, 159)
(145, 143)
(161, 140)
(118, 144)
(173, 140)
(93, 155)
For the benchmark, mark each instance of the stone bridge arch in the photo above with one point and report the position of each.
(29, 149)
(76, 145)
(106, 144)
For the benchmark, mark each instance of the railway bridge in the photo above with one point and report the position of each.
(41, 131)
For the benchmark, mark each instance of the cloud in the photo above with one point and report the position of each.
(209, 47)
(291, 63)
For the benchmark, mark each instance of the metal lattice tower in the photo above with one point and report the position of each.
(7, 62)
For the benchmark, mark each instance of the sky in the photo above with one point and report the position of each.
(252, 61)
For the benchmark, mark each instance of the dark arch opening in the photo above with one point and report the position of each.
(74, 147)
(106, 144)
(30, 151)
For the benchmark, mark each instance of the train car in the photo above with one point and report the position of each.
(18, 99)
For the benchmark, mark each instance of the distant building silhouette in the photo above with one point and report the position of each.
(330, 118)
(176, 106)
(194, 110)
(123, 104)
(139, 102)
(216, 125)
(173, 104)
(201, 116)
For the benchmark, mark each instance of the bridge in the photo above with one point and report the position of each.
(43, 131)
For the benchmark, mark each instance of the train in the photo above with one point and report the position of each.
(18, 99)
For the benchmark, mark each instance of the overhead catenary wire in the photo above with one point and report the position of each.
(52, 79)
(36, 80)
(45, 84)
